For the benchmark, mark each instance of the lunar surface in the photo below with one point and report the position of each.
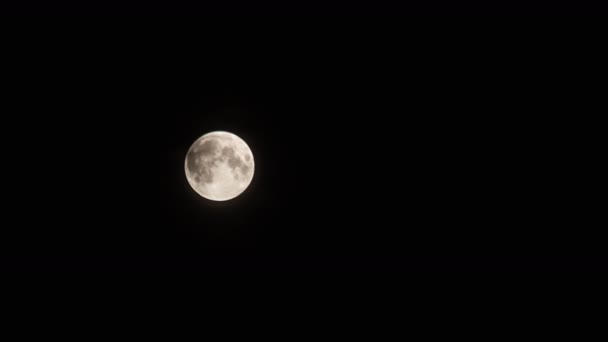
(219, 166)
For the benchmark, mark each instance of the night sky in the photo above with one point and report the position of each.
(387, 149)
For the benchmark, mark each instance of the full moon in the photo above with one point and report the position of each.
(219, 166)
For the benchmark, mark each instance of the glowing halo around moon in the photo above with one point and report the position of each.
(219, 166)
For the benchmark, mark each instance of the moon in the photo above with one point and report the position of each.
(219, 166)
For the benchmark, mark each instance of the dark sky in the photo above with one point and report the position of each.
(385, 149)
(293, 9)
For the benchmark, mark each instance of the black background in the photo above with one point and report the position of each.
(299, 8)
(378, 146)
